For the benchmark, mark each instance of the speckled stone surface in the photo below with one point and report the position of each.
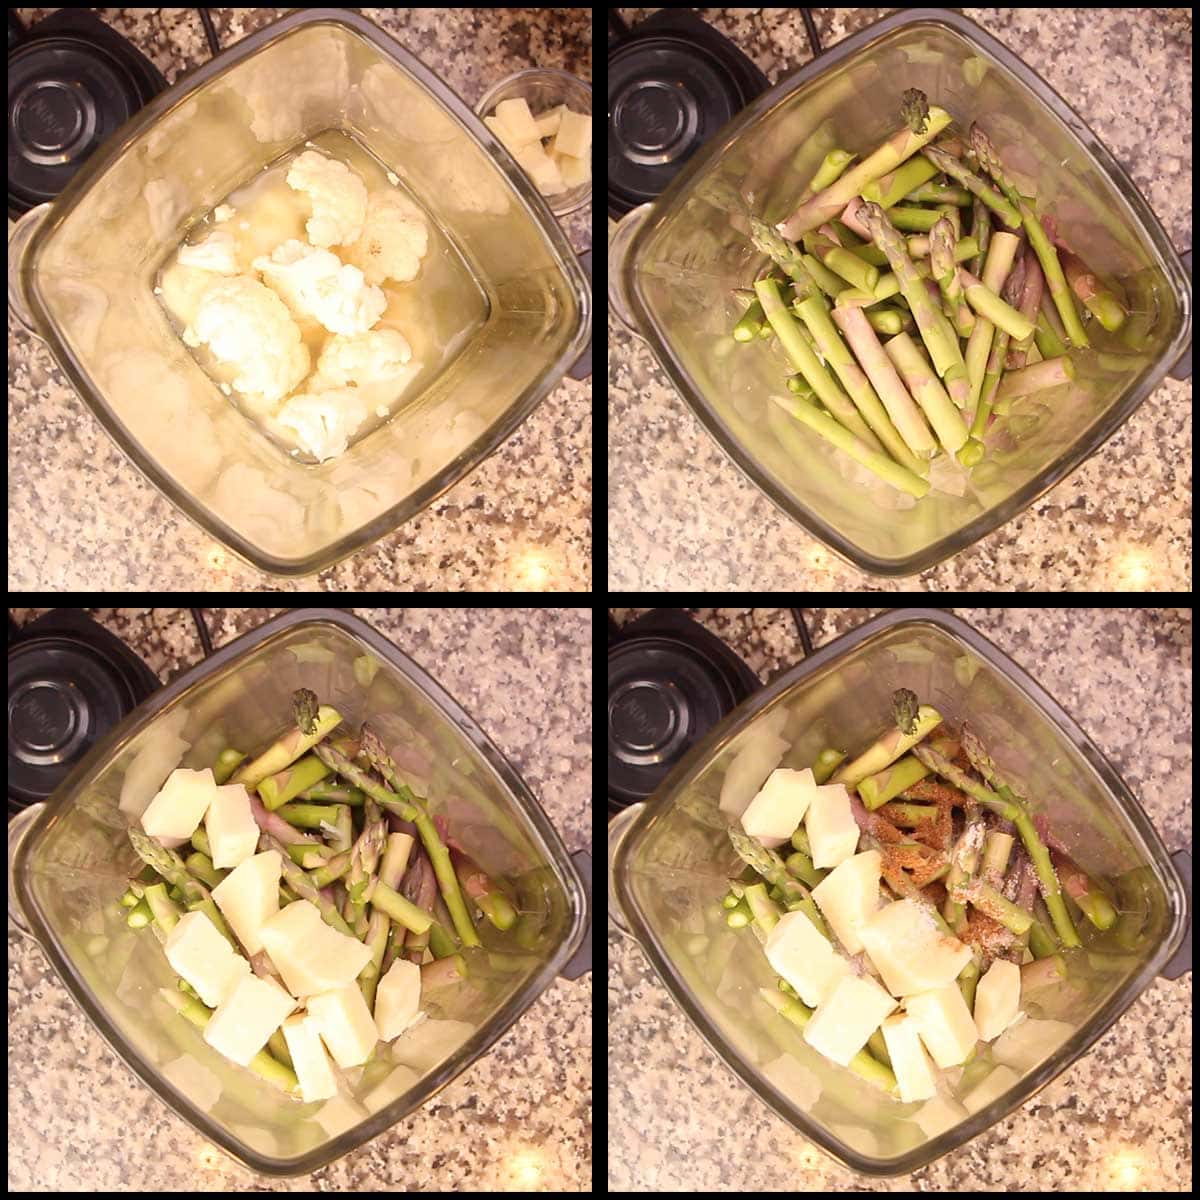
(519, 1119)
(1119, 1119)
(682, 517)
(82, 518)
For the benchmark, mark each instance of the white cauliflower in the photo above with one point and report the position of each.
(182, 288)
(373, 357)
(338, 195)
(218, 252)
(314, 283)
(394, 239)
(321, 425)
(247, 326)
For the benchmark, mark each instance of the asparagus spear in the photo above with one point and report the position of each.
(313, 723)
(956, 169)
(1097, 298)
(805, 361)
(890, 472)
(923, 383)
(1012, 811)
(1064, 300)
(404, 804)
(949, 278)
(816, 317)
(913, 722)
(906, 417)
(935, 330)
(924, 123)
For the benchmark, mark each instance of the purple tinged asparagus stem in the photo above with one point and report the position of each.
(816, 317)
(903, 410)
(1030, 303)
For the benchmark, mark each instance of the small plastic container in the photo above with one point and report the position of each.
(542, 90)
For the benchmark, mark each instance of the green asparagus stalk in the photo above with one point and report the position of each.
(988, 304)
(853, 378)
(940, 193)
(900, 184)
(787, 256)
(827, 762)
(405, 804)
(923, 127)
(1012, 811)
(949, 278)
(1049, 341)
(806, 362)
(935, 330)
(227, 762)
(981, 233)
(1064, 299)
(957, 169)
(832, 167)
(922, 383)
(837, 434)
(276, 790)
(333, 793)
(876, 790)
(913, 220)
(913, 723)
(313, 724)
(887, 321)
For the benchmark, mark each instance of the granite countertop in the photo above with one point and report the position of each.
(518, 1119)
(83, 518)
(683, 517)
(1118, 1119)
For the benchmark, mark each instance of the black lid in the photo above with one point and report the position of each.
(669, 682)
(672, 84)
(71, 85)
(69, 682)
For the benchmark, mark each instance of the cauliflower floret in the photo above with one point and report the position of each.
(372, 357)
(247, 326)
(394, 239)
(218, 252)
(182, 289)
(314, 283)
(338, 195)
(322, 424)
